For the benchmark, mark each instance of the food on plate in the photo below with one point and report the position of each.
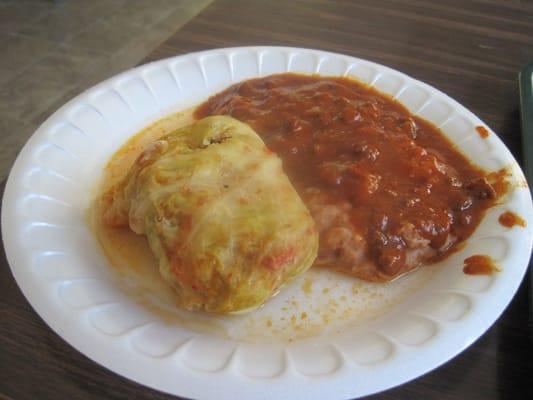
(387, 190)
(482, 132)
(510, 219)
(220, 215)
(370, 190)
(479, 264)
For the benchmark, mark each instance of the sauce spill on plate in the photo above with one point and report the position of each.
(482, 131)
(479, 265)
(510, 219)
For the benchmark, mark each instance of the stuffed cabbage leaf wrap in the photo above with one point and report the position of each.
(220, 215)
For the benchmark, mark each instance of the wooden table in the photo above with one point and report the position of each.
(471, 50)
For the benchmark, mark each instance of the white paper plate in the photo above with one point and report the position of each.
(62, 272)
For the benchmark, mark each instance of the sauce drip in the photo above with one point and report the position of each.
(479, 265)
(482, 131)
(510, 219)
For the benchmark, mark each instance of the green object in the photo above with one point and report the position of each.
(526, 106)
(220, 215)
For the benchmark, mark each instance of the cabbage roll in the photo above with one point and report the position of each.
(220, 215)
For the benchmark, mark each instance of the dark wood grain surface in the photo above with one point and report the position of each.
(471, 50)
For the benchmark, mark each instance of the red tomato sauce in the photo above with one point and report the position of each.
(510, 219)
(482, 132)
(387, 189)
(479, 265)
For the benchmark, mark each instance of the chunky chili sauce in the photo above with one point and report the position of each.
(388, 191)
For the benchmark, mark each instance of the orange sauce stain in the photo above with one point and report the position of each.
(482, 131)
(510, 219)
(499, 181)
(307, 286)
(479, 265)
